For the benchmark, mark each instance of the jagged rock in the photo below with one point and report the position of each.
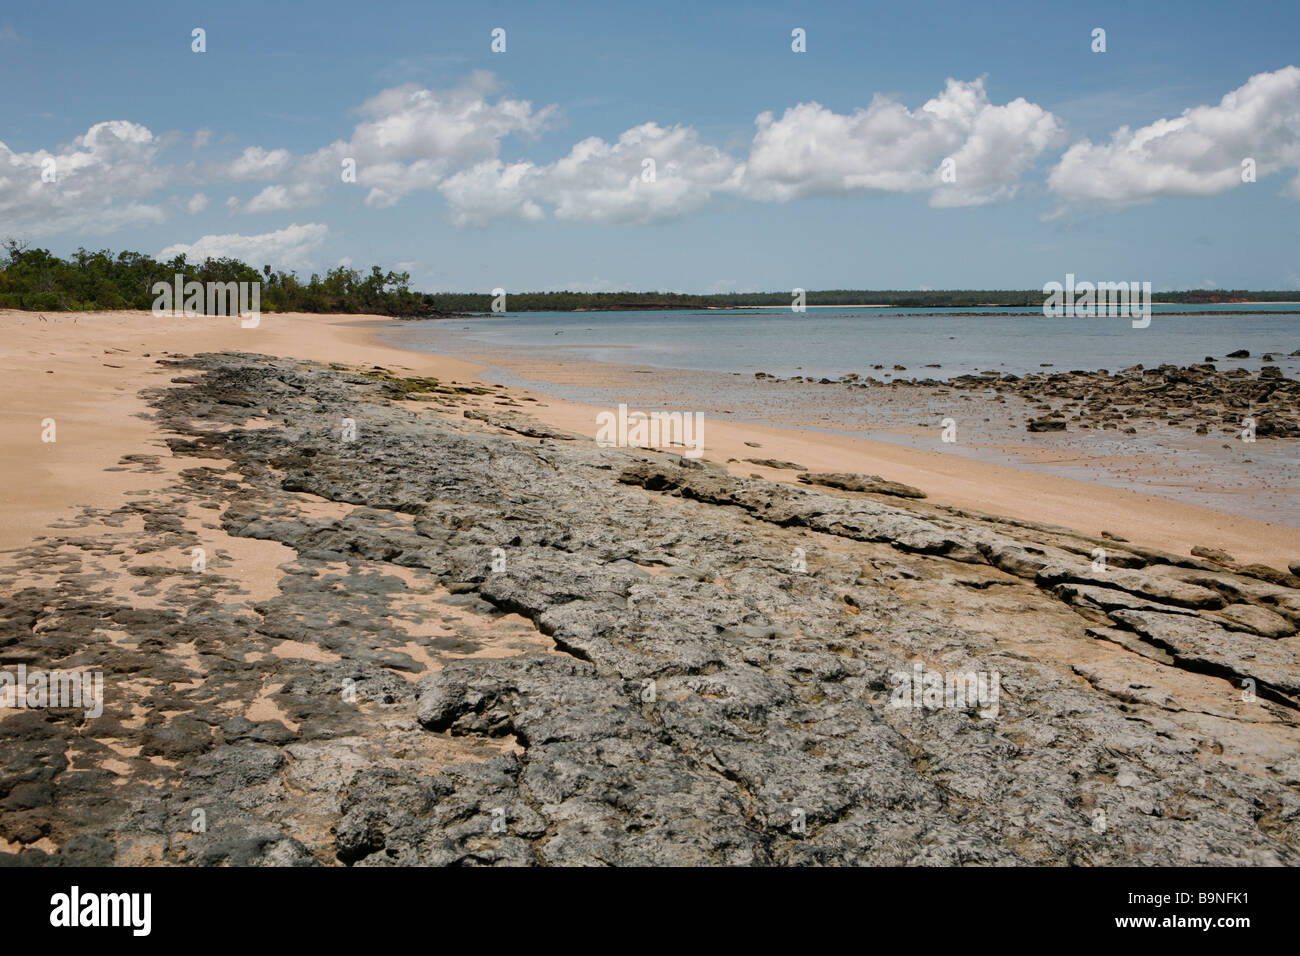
(1205, 646)
(490, 649)
(775, 463)
(1257, 620)
(1213, 554)
(518, 425)
(1045, 425)
(871, 484)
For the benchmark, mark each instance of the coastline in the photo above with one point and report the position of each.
(462, 594)
(456, 610)
(101, 367)
(984, 485)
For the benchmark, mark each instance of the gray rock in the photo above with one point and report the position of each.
(641, 662)
(871, 484)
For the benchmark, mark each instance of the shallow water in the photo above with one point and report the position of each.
(706, 362)
(833, 342)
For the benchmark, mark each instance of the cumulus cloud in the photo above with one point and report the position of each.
(811, 150)
(290, 247)
(650, 174)
(97, 181)
(409, 139)
(254, 164)
(1199, 153)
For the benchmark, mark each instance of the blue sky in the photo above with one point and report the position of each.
(467, 173)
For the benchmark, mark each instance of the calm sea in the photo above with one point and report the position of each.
(529, 350)
(834, 342)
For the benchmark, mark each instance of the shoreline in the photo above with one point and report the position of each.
(95, 399)
(523, 620)
(986, 485)
(458, 595)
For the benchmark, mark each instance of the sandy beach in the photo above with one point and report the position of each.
(85, 370)
(730, 437)
(317, 582)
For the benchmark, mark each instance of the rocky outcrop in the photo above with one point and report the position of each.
(1202, 397)
(486, 648)
(870, 484)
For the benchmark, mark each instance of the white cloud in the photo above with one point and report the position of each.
(274, 199)
(254, 164)
(409, 139)
(98, 182)
(290, 247)
(493, 190)
(600, 182)
(1197, 154)
(811, 150)
(458, 126)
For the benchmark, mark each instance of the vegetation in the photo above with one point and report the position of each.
(397, 387)
(34, 279)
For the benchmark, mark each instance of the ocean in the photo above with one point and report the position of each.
(706, 361)
(831, 342)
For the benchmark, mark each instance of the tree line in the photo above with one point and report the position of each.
(37, 280)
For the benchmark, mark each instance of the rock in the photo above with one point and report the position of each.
(1045, 425)
(1160, 589)
(1239, 354)
(647, 663)
(870, 484)
(775, 463)
(183, 737)
(518, 424)
(1257, 620)
(1276, 426)
(1213, 554)
(1271, 575)
(1206, 646)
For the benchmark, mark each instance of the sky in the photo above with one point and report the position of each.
(673, 146)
